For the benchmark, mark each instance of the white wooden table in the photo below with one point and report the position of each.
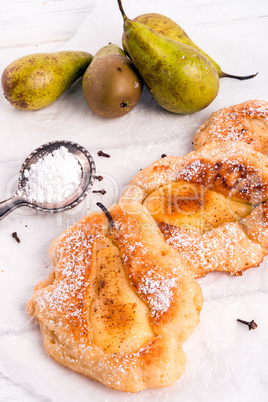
(225, 362)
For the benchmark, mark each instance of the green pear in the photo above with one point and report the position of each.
(178, 76)
(111, 84)
(170, 29)
(35, 81)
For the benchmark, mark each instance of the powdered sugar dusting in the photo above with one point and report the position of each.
(231, 168)
(233, 124)
(225, 248)
(74, 254)
(153, 282)
(161, 290)
(53, 178)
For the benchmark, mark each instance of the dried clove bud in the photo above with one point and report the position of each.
(107, 213)
(100, 191)
(15, 236)
(101, 153)
(251, 324)
(100, 178)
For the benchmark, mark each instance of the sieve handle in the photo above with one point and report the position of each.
(10, 204)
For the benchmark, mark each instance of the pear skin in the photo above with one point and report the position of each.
(35, 81)
(179, 77)
(110, 49)
(111, 84)
(170, 29)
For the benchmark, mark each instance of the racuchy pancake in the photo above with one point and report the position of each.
(119, 303)
(211, 205)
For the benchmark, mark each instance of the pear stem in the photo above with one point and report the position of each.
(238, 77)
(121, 9)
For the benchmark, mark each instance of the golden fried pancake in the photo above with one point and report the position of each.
(120, 301)
(210, 205)
(247, 122)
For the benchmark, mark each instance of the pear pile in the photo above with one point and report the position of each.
(180, 76)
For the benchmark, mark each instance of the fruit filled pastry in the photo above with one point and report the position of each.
(119, 303)
(211, 205)
(247, 122)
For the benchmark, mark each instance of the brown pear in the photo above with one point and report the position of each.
(111, 85)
